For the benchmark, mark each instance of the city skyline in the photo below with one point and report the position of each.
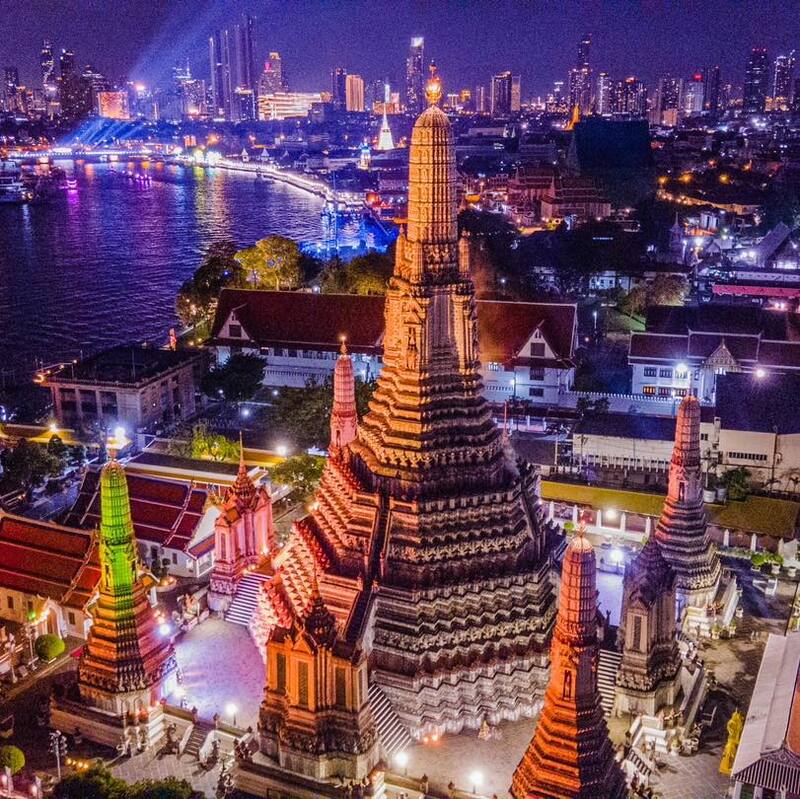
(469, 45)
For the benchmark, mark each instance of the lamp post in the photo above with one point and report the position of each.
(58, 747)
(476, 778)
(232, 710)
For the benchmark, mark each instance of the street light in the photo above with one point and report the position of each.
(401, 761)
(232, 710)
(58, 747)
(594, 316)
(476, 778)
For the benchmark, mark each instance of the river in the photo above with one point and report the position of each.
(101, 266)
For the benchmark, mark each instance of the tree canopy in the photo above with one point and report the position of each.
(365, 274)
(198, 295)
(301, 472)
(237, 379)
(29, 464)
(271, 263)
(99, 783)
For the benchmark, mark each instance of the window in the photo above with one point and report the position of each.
(281, 672)
(748, 456)
(10, 602)
(637, 633)
(302, 684)
(664, 391)
(681, 392)
(535, 392)
(71, 618)
(650, 371)
(649, 390)
(235, 331)
(537, 374)
(174, 558)
(493, 366)
(339, 688)
(567, 690)
(704, 436)
(537, 349)
(665, 372)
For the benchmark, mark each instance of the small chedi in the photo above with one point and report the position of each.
(571, 755)
(428, 543)
(127, 665)
(704, 596)
(244, 536)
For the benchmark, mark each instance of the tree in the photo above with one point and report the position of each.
(29, 464)
(197, 296)
(99, 783)
(300, 472)
(12, 757)
(634, 302)
(273, 262)
(237, 379)
(302, 415)
(170, 788)
(206, 445)
(667, 290)
(49, 647)
(737, 481)
(365, 274)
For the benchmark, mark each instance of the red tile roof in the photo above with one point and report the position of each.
(48, 560)
(164, 512)
(657, 346)
(316, 321)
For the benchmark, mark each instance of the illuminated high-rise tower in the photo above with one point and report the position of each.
(339, 87)
(415, 76)
(580, 77)
(782, 82)
(756, 81)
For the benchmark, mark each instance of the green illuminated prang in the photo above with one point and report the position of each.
(117, 539)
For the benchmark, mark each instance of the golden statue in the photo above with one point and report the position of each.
(735, 726)
(433, 88)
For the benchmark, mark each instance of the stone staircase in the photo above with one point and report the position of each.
(197, 738)
(243, 606)
(391, 731)
(607, 668)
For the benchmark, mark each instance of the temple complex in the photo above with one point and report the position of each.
(571, 755)
(703, 598)
(648, 676)
(127, 664)
(426, 538)
(244, 536)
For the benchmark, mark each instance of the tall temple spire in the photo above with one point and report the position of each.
(681, 531)
(385, 140)
(647, 679)
(571, 756)
(243, 488)
(125, 653)
(344, 415)
(434, 553)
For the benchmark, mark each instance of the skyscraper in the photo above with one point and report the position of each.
(11, 88)
(580, 77)
(713, 89)
(605, 94)
(75, 93)
(782, 82)
(756, 80)
(516, 93)
(415, 75)
(47, 64)
(246, 74)
(480, 100)
(694, 91)
(218, 100)
(504, 97)
(271, 80)
(339, 87)
(668, 101)
(354, 93)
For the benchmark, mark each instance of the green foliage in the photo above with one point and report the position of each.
(300, 472)
(736, 481)
(366, 274)
(302, 415)
(238, 378)
(206, 445)
(56, 447)
(29, 464)
(662, 290)
(197, 296)
(271, 263)
(12, 757)
(49, 647)
(99, 783)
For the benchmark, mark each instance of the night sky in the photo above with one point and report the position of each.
(470, 40)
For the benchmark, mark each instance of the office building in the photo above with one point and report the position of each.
(415, 76)
(283, 105)
(692, 100)
(11, 89)
(354, 93)
(339, 88)
(479, 103)
(271, 80)
(605, 93)
(756, 80)
(782, 82)
(113, 105)
(246, 72)
(713, 99)
(668, 100)
(75, 93)
(505, 98)
(631, 97)
(218, 82)
(580, 77)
